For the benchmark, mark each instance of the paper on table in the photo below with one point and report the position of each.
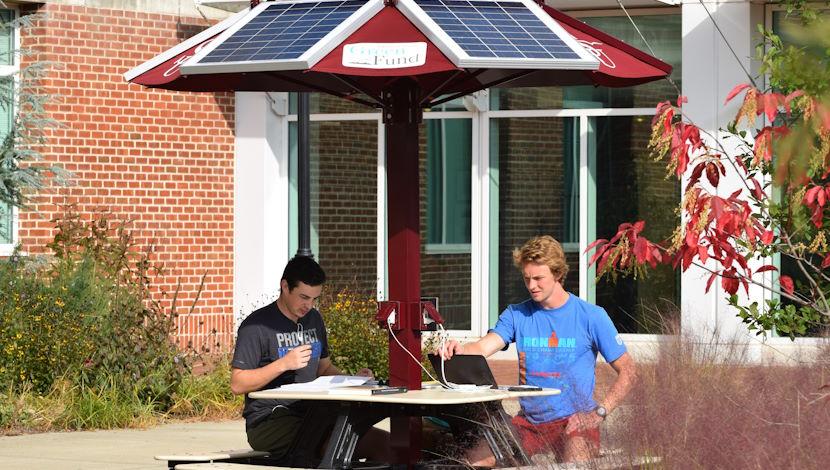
(325, 382)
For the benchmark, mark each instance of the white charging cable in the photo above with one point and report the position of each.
(442, 341)
(391, 319)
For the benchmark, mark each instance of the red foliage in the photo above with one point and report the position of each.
(815, 199)
(713, 224)
(787, 284)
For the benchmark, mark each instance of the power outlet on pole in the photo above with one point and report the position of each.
(389, 313)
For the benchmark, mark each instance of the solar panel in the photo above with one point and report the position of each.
(497, 29)
(283, 31)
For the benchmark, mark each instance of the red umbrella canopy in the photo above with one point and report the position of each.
(347, 47)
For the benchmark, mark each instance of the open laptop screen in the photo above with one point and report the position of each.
(463, 369)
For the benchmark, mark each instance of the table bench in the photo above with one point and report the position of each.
(234, 456)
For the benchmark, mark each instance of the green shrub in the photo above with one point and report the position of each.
(86, 314)
(207, 395)
(44, 326)
(104, 406)
(355, 340)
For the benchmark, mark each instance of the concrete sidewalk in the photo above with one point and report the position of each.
(123, 449)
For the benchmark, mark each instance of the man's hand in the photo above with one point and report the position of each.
(297, 358)
(450, 348)
(582, 421)
(365, 373)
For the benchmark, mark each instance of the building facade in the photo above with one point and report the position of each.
(161, 160)
(210, 179)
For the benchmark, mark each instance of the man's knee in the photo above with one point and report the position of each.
(277, 433)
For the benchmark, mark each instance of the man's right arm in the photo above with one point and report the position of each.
(486, 346)
(251, 380)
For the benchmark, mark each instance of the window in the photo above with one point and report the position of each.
(8, 68)
(573, 163)
(630, 186)
(789, 266)
(537, 162)
(449, 160)
(446, 258)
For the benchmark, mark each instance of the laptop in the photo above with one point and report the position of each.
(464, 369)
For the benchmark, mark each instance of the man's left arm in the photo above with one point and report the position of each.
(325, 367)
(626, 370)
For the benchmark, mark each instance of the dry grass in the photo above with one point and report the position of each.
(695, 410)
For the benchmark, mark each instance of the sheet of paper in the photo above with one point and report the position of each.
(325, 383)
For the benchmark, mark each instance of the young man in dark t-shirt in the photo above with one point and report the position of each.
(281, 343)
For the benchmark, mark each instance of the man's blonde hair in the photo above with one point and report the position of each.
(545, 250)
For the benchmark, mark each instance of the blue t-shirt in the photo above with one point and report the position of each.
(558, 348)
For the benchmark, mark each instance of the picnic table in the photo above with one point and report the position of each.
(357, 413)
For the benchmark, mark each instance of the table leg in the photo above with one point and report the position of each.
(352, 422)
(502, 440)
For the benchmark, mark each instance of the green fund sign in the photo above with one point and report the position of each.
(393, 55)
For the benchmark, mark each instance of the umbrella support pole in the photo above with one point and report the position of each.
(402, 116)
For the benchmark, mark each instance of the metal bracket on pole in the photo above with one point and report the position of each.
(477, 102)
(279, 103)
(398, 105)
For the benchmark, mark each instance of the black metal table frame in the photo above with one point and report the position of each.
(486, 420)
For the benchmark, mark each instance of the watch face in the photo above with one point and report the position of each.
(601, 412)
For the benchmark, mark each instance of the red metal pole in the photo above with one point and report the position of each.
(402, 116)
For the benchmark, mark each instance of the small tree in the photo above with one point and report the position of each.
(784, 167)
(24, 101)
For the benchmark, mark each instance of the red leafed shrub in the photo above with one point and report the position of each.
(775, 155)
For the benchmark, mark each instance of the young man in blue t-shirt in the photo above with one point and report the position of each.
(557, 337)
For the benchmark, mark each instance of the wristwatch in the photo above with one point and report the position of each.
(601, 411)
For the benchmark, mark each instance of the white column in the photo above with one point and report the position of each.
(260, 200)
(710, 71)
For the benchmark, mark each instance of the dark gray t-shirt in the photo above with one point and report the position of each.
(267, 335)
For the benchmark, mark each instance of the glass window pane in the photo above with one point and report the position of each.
(6, 38)
(329, 104)
(663, 33)
(449, 162)
(538, 194)
(631, 187)
(6, 112)
(446, 156)
(6, 224)
(789, 266)
(344, 201)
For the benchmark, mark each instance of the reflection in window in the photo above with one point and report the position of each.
(446, 156)
(343, 200)
(538, 189)
(449, 161)
(6, 113)
(789, 266)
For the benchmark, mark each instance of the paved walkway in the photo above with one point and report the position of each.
(123, 449)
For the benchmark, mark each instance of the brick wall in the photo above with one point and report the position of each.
(161, 159)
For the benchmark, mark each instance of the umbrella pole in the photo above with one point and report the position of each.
(402, 116)
(303, 176)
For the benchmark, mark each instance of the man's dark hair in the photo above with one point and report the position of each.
(303, 269)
